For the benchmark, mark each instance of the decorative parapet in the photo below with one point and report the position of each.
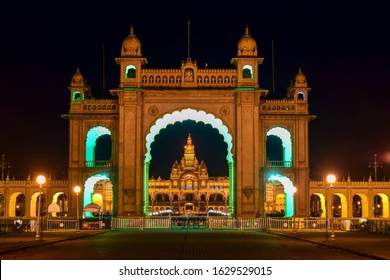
(284, 106)
(25, 183)
(350, 184)
(202, 78)
(95, 106)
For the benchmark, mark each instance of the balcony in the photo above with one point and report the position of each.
(278, 164)
(98, 163)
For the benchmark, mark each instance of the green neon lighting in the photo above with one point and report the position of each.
(76, 96)
(88, 189)
(180, 116)
(92, 135)
(285, 136)
(288, 190)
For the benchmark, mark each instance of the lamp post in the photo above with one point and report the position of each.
(40, 180)
(77, 190)
(331, 179)
(293, 191)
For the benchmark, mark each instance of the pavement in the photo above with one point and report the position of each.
(371, 245)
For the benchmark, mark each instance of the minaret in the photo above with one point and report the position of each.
(247, 62)
(131, 61)
(79, 90)
(299, 90)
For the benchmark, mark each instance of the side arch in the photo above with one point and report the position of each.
(286, 138)
(289, 190)
(90, 144)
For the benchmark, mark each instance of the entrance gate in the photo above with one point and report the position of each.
(147, 100)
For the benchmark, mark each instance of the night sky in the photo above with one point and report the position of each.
(341, 46)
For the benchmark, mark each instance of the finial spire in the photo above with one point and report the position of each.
(131, 30)
(247, 30)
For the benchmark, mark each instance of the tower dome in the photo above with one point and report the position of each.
(300, 79)
(247, 45)
(131, 45)
(77, 79)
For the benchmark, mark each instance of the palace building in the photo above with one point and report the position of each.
(189, 189)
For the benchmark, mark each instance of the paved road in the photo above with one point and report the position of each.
(190, 245)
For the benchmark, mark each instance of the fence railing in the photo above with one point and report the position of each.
(205, 222)
(221, 223)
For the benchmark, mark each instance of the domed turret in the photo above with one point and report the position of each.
(131, 45)
(77, 79)
(247, 45)
(300, 79)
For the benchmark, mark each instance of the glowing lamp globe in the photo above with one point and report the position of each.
(41, 179)
(331, 178)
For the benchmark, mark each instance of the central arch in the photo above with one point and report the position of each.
(180, 116)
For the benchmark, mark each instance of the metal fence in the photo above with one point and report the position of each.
(61, 224)
(204, 222)
(222, 223)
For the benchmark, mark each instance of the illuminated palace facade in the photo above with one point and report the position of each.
(230, 100)
(110, 146)
(189, 189)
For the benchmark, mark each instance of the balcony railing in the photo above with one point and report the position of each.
(278, 163)
(98, 163)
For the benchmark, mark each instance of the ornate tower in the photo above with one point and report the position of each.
(287, 120)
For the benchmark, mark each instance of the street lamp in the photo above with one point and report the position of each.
(293, 191)
(77, 190)
(40, 180)
(331, 179)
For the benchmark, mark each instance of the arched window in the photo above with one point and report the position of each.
(130, 71)
(247, 72)
(76, 96)
(301, 96)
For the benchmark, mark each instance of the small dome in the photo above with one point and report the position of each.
(77, 79)
(300, 79)
(131, 45)
(247, 45)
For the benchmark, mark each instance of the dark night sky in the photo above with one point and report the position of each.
(341, 46)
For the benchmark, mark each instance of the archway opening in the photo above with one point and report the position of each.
(286, 147)
(357, 206)
(381, 205)
(317, 203)
(94, 152)
(289, 191)
(180, 117)
(98, 189)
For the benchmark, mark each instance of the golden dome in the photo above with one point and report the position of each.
(77, 79)
(247, 45)
(300, 78)
(131, 45)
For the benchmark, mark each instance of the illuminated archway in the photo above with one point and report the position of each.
(385, 205)
(34, 204)
(285, 136)
(180, 116)
(288, 190)
(88, 189)
(342, 209)
(92, 135)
